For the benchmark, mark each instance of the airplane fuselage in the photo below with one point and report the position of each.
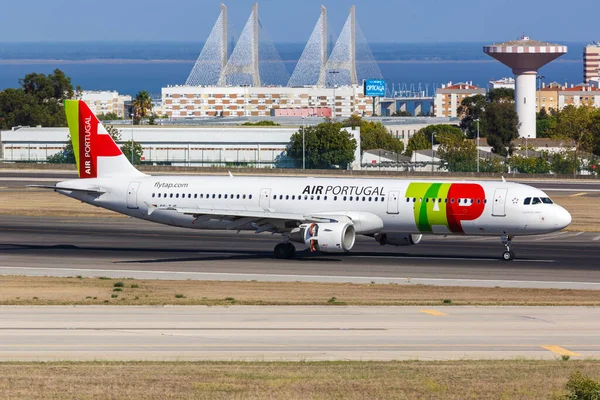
(402, 205)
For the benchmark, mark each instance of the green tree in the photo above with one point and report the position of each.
(142, 106)
(111, 116)
(501, 95)
(502, 123)
(327, 145)
(374, 135)
(493, 165)
(37, 102)
(529, 165)
(456, 153)
(401, 113)
(471, 109)
(137, 151)
(576, 124)
(545, 124)
(418, 141)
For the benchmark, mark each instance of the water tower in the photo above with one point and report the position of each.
(525, 57)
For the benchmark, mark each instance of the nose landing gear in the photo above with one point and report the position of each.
(508, 255)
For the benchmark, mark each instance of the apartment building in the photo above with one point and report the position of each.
(105, 102)
(211, 101)
(591, 61)
(449, 97)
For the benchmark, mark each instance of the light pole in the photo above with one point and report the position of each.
(477, 120)
(131, 139)
(432, 133)
(334, 85)
(303, 147)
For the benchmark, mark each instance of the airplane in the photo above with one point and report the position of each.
(324, 214)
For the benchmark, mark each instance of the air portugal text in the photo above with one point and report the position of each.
(344, 190)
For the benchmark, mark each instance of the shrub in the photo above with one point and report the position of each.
(118, 284)
(581, 387)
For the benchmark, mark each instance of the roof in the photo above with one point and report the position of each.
(525, 41)
(387, 154)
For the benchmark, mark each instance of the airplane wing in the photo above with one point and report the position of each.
(87, 190)
(261, 220)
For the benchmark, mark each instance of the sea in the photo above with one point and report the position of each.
(130, 67)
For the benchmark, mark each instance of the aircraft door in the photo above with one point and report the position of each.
(499, 205)
(392, 203)
(132, 193)
(265, 198)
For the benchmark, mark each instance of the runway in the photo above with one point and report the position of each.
(296, 333)
(122, 247)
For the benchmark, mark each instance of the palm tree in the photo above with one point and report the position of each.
(142, 105)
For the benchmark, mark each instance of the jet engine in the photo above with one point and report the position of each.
(329, 237)
(398, 238)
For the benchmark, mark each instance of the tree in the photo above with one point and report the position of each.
(142, 106)
(501, 95)
(545, 124)
(111, 116)
(37, 102)
(502, 126)
(327, 145)
(374, 135)
(402, 113)
(529, 165)
(137, 151)
(456, 153)
(575, 123)
(418, 141)
(471, 108)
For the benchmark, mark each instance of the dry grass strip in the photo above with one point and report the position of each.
(19, 290)
(514, 379)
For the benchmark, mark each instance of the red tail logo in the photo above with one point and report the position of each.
(93, 144)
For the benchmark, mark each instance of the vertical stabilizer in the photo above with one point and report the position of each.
(96, 153)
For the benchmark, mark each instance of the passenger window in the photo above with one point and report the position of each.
(325, 198)
(369, 199)
(484, 201)
(451, 200)
(225, 196)
(318, 197)
(344, 198)
(171, 196)
(159, 195)
(177, 195)
(350, 198)
(287, 196)
(250, 196)
(407, 199)
(152, 194)
(426, 199)
(305, 197)
(364, 198)
(334, 198)
(382, 199)
(439, 200)
(478, 201)
(243, 196)
(312, 197)
(237, 196)
(446, 200)
(293, 197)
(214, 196)
(527, 201)
(414, 199)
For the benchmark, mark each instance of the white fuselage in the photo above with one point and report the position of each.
(408, 206)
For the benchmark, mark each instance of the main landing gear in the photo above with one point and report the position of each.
(284, 250)
(508, 255)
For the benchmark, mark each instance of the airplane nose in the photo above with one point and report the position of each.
(562, 217)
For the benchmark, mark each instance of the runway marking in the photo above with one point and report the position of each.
(560, 350)
(577, 194)
(451, 258)
(259, 345)
(434, 313)
(596, 238)
(548, 237)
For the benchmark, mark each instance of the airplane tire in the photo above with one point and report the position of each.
(508, 256)
(284, 251)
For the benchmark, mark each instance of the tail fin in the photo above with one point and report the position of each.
(96, 153)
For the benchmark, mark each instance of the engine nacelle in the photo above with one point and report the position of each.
(329, 237)
(398, 239)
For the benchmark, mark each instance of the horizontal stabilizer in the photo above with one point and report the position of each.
(89, 190)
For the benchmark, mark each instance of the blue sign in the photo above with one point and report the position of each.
(374, 88)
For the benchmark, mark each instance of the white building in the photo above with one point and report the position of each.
(210, 101)
(173, 145)
(104, 102)
(504, 83)
(449, 97)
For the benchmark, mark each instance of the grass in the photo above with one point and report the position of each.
(584, 210)
(21, 290)
(514, 379)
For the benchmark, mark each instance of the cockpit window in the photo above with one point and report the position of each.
(527, 201)
(536, 200)
(547, 200)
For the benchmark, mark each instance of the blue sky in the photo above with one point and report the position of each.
(292, 21)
